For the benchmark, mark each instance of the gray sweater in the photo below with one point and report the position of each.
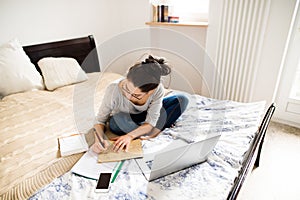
(114, 101)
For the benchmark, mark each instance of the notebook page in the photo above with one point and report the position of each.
(88, 166)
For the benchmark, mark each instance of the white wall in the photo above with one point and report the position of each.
(35, 21)
(182, 52)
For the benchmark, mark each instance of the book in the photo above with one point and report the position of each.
(162, 13)
(72, 144)
(154, 13)
(135, 151)
(88, 166)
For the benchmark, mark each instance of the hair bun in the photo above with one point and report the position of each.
(151, 59)
(159, 64)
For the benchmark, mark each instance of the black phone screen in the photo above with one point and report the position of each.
(103, 182)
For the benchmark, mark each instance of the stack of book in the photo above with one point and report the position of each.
(161, 13)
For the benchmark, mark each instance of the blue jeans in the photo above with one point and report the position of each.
(173, 106)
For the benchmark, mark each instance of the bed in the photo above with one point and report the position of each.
(32, 120)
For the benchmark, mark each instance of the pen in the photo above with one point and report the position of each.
(117, 171)
(101, 143)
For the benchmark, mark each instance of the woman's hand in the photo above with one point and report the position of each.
(98, 148)
(100, 143)
(122, 142)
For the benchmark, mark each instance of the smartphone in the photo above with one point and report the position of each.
(103, 182)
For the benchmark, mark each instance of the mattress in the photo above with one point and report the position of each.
(30, 124)
(213, 179)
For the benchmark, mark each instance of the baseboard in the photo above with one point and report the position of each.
(282, 121)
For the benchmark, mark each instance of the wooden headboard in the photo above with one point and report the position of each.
(82, 49)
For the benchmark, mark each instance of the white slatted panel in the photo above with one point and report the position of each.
(241, 34)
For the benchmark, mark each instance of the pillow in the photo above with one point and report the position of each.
(17, 73)
(58, 72)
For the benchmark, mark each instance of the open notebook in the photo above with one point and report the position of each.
(135, 151)
(72, 144)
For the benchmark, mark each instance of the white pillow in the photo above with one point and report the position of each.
(58, 72)
(17, 73)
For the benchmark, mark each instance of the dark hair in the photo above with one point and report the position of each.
(146, 74)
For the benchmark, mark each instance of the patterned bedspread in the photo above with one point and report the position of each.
(213, 179)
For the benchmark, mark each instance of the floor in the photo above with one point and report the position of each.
(278, 176)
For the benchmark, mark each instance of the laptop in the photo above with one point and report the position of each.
(176, 156)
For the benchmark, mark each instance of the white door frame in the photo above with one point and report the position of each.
(288, 109)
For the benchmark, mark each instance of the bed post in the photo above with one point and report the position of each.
(263, 130)
(92, 64)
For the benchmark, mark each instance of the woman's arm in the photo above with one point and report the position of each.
(125, 140)
(153, 111)
(104, 111)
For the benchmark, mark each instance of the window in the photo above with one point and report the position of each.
(295, 92)
(186, 10)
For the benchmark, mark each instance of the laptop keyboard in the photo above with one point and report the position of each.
(149, 163)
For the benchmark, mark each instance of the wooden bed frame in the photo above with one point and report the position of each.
(84, 51)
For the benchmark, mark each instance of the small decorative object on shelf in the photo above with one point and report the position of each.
(172, 19)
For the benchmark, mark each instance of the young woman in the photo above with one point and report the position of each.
(135, 106)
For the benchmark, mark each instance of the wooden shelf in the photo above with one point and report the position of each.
(194, 24)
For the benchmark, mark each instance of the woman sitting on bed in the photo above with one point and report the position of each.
(137, 106)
